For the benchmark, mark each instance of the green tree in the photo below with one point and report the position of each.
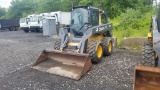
(20, 8)
(2, 12)
(48, 6)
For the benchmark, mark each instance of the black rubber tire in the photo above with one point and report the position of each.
(26, 30)
(33, 30)
(17, 28)
(92, 51)
(11, 29)
(105, 43)
(148, 54)
(37, 30)
(57, 44)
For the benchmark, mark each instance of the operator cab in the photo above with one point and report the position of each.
(85, 17)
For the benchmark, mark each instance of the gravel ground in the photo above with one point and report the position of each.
(19, 51)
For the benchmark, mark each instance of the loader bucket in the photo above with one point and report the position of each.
(146, 78)
(71, 65)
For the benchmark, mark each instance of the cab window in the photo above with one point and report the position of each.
(94, 18)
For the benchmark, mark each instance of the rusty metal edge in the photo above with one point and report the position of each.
(147, 68)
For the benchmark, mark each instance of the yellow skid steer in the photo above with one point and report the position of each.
(147, 77)
(86, 41)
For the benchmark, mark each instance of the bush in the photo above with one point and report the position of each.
(132, 23)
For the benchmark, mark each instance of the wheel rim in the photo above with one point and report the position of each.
(110, 47)
(99, 51)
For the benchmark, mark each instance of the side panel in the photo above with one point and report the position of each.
(6, 23)
(97, 37)
(156, 37)
(99, 30)
(105, 28)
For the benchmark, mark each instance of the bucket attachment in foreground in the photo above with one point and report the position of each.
(146, 78)
(71, 65)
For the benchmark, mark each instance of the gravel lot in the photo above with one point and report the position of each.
(20, 50)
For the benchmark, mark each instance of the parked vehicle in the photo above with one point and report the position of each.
(61, 17)
(35, 23)
(87, 40)
(147, 77)
(24, 24)
(11, 24)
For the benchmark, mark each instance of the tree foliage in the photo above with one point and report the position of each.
(21, 8)
(2, 12)
(129, 17)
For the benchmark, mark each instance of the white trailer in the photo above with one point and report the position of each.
(62, 18)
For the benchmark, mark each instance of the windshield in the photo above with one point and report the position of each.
(22, 20)
(79, 17)
(34, 19)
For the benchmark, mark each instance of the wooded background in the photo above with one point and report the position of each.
(130, 18)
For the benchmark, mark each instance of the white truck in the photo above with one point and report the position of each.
(33, 22)
(24, 24)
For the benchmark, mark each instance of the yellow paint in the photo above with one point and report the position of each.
(69, 34)
(100, 18)
(95, 37)
(155, 55)
(72, 44)
(149, 36)
(110, 47)
(61, 49)
(99, 51)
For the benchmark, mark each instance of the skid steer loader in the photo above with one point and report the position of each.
(86, 41)
(147, 77)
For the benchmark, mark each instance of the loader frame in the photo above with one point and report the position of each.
(104, 30)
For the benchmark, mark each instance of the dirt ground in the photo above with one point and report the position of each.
(19, 50)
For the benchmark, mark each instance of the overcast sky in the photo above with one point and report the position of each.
(5, 3)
